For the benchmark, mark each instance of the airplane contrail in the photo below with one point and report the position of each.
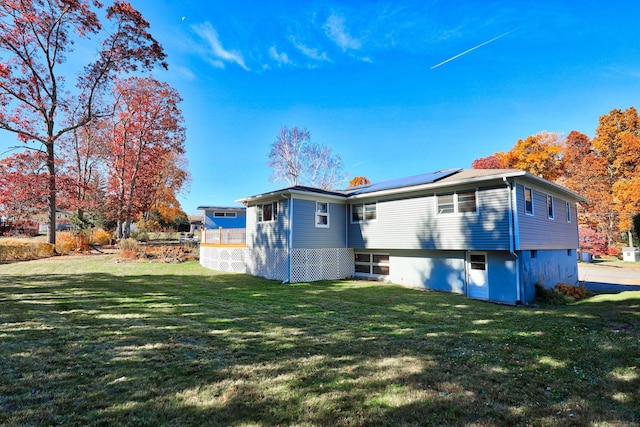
(469, 50)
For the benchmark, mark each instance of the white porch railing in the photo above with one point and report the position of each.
(225, 236)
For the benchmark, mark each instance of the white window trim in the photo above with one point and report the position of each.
(364, 212)
(551, 211)
(456, 204)
(475, 196)
(525, 201)
(274, 212)
(372, 264)
(568, 212)
(320, 213)
(438, 204)
(218, 214)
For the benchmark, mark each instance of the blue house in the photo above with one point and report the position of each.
(218, 223)
(486, 234)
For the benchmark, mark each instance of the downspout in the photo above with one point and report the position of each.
(510, 190)
(289, 237)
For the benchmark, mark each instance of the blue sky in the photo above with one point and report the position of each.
(358, 75)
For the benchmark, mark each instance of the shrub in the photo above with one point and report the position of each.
(551, 296)
(101, 236)
(150, 225)
(561, 294)
(130, 249)
(65, 243)
(572, 291)
(141, 236)
(15, 250)
(130, 245)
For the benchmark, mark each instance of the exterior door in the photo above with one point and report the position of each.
(478, 283)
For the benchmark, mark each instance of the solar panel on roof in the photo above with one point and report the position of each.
(409, 181)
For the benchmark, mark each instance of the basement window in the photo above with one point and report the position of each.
(367, 264)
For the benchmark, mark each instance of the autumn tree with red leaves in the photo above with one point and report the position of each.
(489, 162)
(83, 183)
(358, 181)
(23, 185)
(35, 38)
(145, 131)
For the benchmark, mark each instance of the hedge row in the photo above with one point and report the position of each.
(25, 251)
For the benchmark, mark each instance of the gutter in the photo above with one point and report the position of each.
(512, 237)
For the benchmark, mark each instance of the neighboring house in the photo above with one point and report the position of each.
(224, 225)
(487, 234)
(195, 224)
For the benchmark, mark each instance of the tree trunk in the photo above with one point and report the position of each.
(51, 196)
(127, 228)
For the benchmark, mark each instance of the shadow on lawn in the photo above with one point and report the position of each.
(232, 349)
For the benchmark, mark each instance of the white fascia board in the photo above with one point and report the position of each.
(310, 195)
(434, 185)
(300, 194)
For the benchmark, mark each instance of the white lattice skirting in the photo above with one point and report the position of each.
(230, 260)
(307, 265)
(310, 265)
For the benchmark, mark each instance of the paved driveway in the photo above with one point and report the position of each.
(609, 277)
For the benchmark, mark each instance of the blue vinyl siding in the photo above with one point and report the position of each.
(212, 222)
(269, 234)
(412, 223)
(538, 231)
(307, 235)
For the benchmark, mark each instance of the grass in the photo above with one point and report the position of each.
(88, 341)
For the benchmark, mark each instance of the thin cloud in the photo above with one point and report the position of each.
(335, 29)
(280, 57)
(220, 56)
(309, 52)
(182, 72)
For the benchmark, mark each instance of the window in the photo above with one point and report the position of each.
(364, 212)
(467, 201)
(224, 214)
(372, 264)
(460, 202)
(569, 252)
(528, 201)
(267, 212)
(549, 206)
(568, 212)
(532, 254)
(478, 261)
(322, 214)
(446, 204)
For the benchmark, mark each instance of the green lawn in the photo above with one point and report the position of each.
(88, 341)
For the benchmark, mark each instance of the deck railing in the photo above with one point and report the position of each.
(225, 237)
